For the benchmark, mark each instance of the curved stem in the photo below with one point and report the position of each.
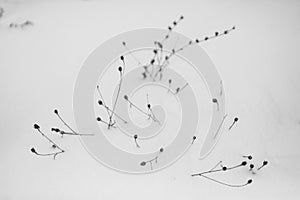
(222, 183)
(51, 141)
(216, 170)
(58, 115)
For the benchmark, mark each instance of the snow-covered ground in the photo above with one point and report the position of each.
(258, 63)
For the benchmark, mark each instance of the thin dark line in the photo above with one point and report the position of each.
(216, 166)
(116, 115)
(119, 89)
(132, 55)
(222, 183)
(58, 115)
(49, 139)
(99, 92)
(193, 42)
(71, 133)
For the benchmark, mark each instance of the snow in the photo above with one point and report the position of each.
(258, 63)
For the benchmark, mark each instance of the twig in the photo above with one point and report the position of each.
(37, 127)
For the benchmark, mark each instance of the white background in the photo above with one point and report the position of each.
(258, 63)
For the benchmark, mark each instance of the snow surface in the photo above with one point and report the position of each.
(259, 65)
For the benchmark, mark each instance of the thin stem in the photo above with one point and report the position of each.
(159, 70)
(148, 106)
(151, 165)
(131, 54)
(136, 143)
(139, 109)
(207, 172)
(49, 154)
(100, 94)
(180, 89)
(61, 119)
(216, 166)
(176, 43)
(260, 167)
(70, 133)
(51, 141)
(169, 87)
(147, 96)
(218, 107)
(214, 100)
(104, 122)
(170, 28)
(150, 161)
(119, 89)
(118, 116)
(153, 159)
(197, 41)
(231, 125)
(226, 184)
(152, 69)
(154, 118)
(160, 44)
(217, 35)
(237, 166)
(264, 164)
(213, 170)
